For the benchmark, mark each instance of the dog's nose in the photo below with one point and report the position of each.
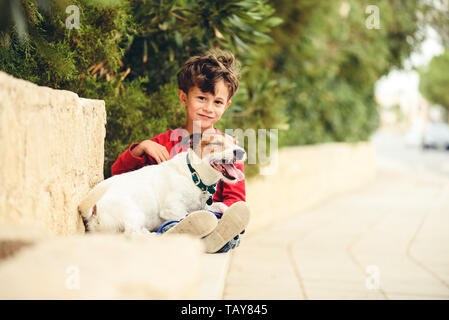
(238, 154)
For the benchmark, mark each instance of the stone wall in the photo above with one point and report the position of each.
(53, 152)
(306, 176)
(52, 146)
(105, 267)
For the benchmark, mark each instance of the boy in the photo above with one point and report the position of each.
(206, 85)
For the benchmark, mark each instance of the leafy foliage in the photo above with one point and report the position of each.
(129, 52)
(434, 81)
(325, 48)
(309, 66)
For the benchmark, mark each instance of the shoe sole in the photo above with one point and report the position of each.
(233, 221)
(198, 224)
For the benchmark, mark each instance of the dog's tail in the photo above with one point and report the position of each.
(92, 198)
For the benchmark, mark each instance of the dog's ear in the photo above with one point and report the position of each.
(195, 140)
(234, 139)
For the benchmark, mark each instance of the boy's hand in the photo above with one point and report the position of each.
(153, 149)
(218, 207)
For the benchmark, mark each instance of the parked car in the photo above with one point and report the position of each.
(436, 135)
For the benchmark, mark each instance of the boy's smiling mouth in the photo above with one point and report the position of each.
(204, 116)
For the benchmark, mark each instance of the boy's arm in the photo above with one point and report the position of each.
(128, 162)
(228, 193)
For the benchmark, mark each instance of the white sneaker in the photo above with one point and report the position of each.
(198, 224)
(233, 222)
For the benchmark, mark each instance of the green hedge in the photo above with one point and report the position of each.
(129, 52)
(307, 66)
(335, 60)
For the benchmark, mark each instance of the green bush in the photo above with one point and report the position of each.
(129, 52)
(434, 81)
(325, 48)
(308, 66)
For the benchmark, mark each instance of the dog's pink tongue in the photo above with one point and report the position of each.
(233, 172)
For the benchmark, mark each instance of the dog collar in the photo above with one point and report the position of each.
(200, 184)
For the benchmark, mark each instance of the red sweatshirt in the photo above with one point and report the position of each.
(225, 192)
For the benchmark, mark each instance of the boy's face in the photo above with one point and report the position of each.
(204, 106)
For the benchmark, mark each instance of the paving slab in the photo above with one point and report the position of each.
(214, 270)
(386, 240)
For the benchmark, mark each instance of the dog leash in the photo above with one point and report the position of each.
(206, 191)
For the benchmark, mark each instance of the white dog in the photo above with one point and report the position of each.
(141, 201)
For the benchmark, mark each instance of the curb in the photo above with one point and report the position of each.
(215, 271)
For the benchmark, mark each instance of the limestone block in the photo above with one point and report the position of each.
(105, 266)
(53, 153)
(306, 176)
(15, 238)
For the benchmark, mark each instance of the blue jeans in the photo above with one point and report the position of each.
(232, 244)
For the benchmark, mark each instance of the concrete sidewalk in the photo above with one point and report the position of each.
(387, 240)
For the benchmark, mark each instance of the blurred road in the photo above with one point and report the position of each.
(387, 240)
(392, 146)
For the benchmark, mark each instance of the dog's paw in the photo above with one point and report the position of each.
(218, 207)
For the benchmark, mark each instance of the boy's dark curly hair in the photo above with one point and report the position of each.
(204, 72)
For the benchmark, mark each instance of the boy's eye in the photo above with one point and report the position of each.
(218, 101)
(201, 97)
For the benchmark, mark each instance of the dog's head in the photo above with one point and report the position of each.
(220, 152)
